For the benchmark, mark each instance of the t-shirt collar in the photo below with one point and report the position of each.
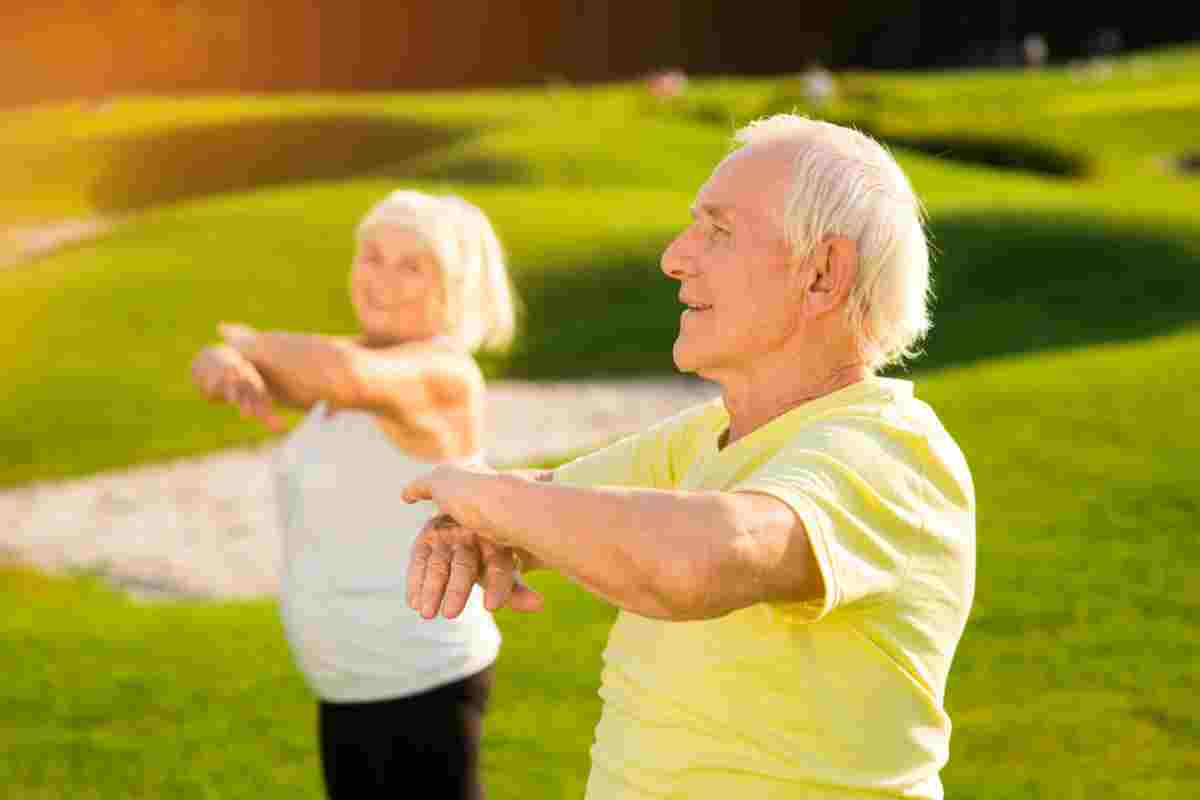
(839, 398)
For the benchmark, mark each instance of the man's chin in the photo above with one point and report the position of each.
(685, 361)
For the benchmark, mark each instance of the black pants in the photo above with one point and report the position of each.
(425, 745)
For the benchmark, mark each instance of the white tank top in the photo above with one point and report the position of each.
(346, 541)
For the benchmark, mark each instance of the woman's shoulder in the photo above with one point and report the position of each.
(431, 358)
(431, 378)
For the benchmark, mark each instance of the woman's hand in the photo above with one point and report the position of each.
(222, 374)
(236, 334)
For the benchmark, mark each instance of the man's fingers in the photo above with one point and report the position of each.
(499, 577)
(502, 583)
(464, 570)
(418, 562)
(437, 576)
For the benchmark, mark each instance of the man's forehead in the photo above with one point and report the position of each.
(721, 197)
(749, 184)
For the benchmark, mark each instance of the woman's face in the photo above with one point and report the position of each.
(396, 286)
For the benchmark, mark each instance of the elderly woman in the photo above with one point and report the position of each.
(794, 562)
(397, 696)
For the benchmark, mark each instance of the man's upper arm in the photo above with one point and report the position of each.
(860, 508)
(774, 553)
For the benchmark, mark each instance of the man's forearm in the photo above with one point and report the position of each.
(644, 550)
(530, 561)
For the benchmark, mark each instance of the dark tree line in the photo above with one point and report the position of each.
(93, 48)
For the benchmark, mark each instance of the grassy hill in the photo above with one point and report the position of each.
(242, 208)
(1064, 359)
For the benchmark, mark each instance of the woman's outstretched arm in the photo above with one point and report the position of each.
(302, 369)
(222, 374)
(403, 383)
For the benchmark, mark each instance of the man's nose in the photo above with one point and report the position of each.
(677, 260)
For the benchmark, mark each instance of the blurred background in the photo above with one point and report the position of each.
(97, 49)
(170, 164)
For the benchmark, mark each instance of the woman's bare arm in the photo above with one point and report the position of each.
(222, 374)
(405, 384)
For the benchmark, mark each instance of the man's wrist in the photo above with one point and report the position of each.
(497, 500)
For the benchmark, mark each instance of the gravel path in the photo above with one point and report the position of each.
(205, 527)
(21, 244)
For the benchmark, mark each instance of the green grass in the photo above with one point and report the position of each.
(108, 331)
(99, 337)
(106, 697)
(1075, 677)
(1074, 680)
(1116, 119)
(95, 353)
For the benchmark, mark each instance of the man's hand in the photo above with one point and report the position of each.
(447, 561)
(222, 374)
(456, 491)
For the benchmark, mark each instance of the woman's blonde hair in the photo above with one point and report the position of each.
(845, 183)
(479, 301)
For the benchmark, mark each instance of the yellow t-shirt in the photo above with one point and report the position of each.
(841, 698)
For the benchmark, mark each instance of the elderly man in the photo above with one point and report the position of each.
(794, 562)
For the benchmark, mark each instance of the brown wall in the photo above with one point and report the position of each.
(88, 48)
(91, 48)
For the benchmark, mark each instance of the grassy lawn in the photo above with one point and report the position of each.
(109, 698)
(99, 337)
(1064, 359)
(1075, 678)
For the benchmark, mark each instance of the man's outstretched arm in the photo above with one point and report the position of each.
(665, 554)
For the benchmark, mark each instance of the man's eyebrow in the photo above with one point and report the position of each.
(719, 213)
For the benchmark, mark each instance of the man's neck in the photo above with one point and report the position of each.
(755, 400)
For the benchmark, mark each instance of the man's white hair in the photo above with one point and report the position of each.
(844, 183)
(479, 301)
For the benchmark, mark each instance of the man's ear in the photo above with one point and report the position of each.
(833, 269)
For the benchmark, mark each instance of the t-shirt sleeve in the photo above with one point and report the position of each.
(650, 459)
(860, 498)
